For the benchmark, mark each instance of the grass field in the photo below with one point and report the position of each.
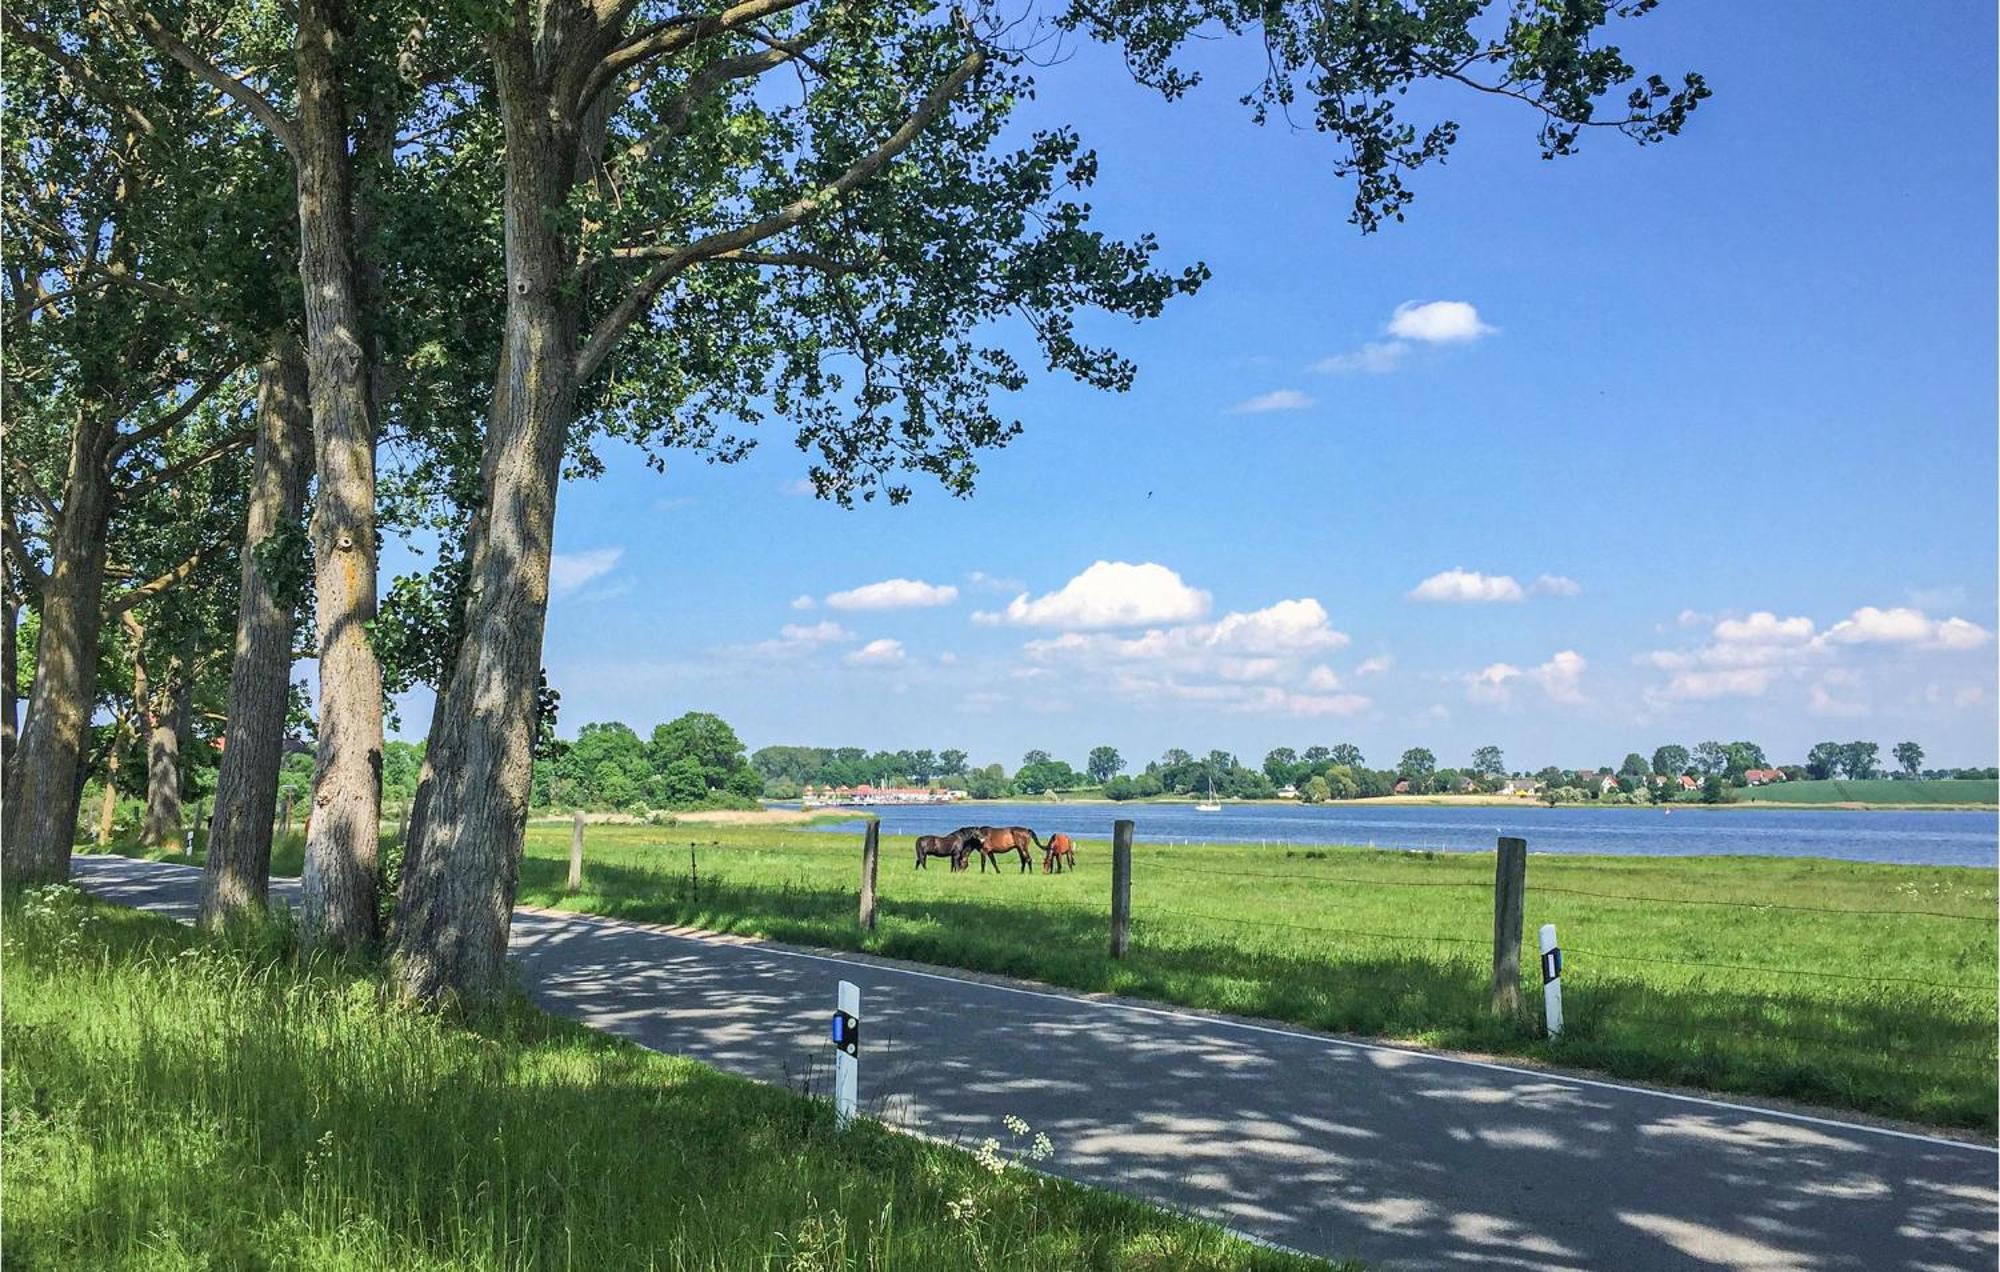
(172, 1102)
(1879, 791)
(1400, 945)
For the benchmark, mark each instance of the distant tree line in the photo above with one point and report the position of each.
(695, 761)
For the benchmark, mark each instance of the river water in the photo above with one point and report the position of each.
(1908, 838)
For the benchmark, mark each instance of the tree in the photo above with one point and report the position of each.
(665, 210)
(704, 738)
(1346, 753)
(1635, 766)
(1670, 761)
(1416, 766)
(1280, 765)
(1711, 757)
(1857, 759)
(236, 875)
(1104, 764)
(1712, 790)
(1825, 760)
(1316, 757)
(1033, 758)
(1488, 761)
(1317, 790)
(1910, 757)
(923, 766)
(951, 763)
(1741, 757)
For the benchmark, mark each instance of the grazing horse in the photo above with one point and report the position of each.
(956, 846)
(1061, 850)
(995, 840)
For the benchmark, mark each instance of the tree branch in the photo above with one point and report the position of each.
(130, 597)
(233, 443)
(172, 419)
(661, 38)
(49, 510)
(715, 246)
(77, 71)
(31, 573)
(704, 82)
(215, 77)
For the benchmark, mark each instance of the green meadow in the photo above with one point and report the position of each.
(173, 1101)
(1879, 791)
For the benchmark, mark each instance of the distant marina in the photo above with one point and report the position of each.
(866, 796)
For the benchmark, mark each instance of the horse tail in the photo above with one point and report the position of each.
(1037, 838)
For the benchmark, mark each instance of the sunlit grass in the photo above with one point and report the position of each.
(178, 1102)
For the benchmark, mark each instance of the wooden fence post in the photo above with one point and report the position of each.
(576, 852)
(1121, 887)
(1510, 881)
(871, 848)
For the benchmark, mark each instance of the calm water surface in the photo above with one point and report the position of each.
(1909, 838)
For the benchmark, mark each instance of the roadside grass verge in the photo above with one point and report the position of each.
(1662, 976)
(175, 1101)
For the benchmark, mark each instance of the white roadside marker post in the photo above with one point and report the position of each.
(1552, 985)
(846, 1053)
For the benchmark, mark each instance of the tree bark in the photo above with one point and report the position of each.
(338, 909)
(456, 899)
(107, 808)
(43, 797)
(237, 873)
(165, 821)
(10, 673)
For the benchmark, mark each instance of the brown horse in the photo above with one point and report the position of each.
(1061, 850)
(995, 840)
(957, 845)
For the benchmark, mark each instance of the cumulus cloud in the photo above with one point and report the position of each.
(1438, 322)
(1905, 626)
(1375, 666)
(803, 602)
(816, 633)
(1275, 400)
(1108, 594)
(1321, 679)
(1467, 587)
(1555, 585)
(1415, 323)
(569, 571)
(795, 640)
(1560, 678)
(882, 652)
(1739, 682)
(895, 593)
(1764, 628)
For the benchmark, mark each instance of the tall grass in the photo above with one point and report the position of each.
(178, 1102)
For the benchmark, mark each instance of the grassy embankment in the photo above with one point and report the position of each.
(1399, 945)
(1881, 792)
(174, 1102)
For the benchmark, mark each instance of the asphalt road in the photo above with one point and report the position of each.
(1342, 1148)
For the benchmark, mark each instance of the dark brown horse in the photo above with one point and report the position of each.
(1061, 850)
(995, 840)
(957, 845)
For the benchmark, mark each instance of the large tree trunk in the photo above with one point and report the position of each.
(10, 673)
(107, 807)
(237, 873)
(456, 899)
(42, 798)
(165, 822)
(338, 910)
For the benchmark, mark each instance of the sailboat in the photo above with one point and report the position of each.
(1209, 805)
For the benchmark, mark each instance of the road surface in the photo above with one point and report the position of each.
(1347, 1149)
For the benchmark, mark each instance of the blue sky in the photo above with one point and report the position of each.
(1733, 396)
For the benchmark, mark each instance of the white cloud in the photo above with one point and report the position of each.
(1904, 626)
(1694, 618)
(1560, 678)
(803, 602)
(797, 486)
(569, 571)
(1321, 679)
(1555, 585)
(1764, 628)
(893, 594)
(1467, 586)
(1108, 594)
(1288, 627)
(992, 583)
(882, 652)
(1828, 700)
(1375, 666)
(1377, 357)
(1275, 400)
(816, 634)
(1737, 682)
(1930, 598)
(1437, 322)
